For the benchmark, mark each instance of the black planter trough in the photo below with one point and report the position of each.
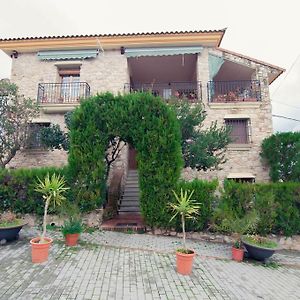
(10, 233)
(257, 252)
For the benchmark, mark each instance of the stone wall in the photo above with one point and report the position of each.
(240, 158)
(109, 71)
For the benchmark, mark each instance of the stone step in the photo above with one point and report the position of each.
(131, 188)
(131, 194)
(130, 204)
(129, 200)
(129, 210)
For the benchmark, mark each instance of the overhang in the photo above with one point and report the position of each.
(161, 51)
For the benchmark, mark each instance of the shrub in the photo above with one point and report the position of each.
(204, 196)
(277, 205)
(17, 190)
(140, 119)
(282, 153)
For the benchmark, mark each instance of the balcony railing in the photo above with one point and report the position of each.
(234, 91)
(62, 92)
(190, 91)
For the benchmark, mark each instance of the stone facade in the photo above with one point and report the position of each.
(109, 71)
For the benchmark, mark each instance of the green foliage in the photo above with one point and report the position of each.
(282, 153)
(202, 149)
(16, 113)
(204, 195)
(17, 192)
(185, 208)
(71, 226)
(52, 190)
(140, 119)
(277, 206)
(260, 241)
(54, 138)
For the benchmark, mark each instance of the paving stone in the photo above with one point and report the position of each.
(111, 265)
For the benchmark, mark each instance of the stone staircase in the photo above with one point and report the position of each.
(129, 203)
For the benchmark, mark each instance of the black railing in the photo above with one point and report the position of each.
(234, 91)
(62, 92)
(190, 91)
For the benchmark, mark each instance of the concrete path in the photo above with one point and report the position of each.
(112, 265)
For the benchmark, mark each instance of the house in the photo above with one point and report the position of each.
(60, 70)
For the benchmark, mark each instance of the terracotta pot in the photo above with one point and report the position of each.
(39, 252)
(184, 263)
(237, 254)
(71, 239)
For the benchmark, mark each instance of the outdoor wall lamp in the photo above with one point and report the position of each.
(14, 54)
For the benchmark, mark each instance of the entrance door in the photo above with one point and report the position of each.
(132, 163)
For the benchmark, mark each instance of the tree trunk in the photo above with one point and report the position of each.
(45, 221)
(183, 230)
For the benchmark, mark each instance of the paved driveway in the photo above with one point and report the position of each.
(111, 265)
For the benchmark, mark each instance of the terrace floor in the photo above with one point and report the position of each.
(115, 265)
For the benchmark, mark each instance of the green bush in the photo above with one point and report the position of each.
(140, 119)
(204, 196)
(17, 189)
(277, 205)
(282, 153)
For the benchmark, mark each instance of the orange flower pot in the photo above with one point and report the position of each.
(40, 252)
(71, 239)
(184, 263)
(237, 254)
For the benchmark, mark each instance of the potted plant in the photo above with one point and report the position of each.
(10, 226)
(71, 230)
(259, 248)
(238, 226)
(52, 188)
(186, 208)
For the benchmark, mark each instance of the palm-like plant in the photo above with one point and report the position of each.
(186, 208)
(52, 188)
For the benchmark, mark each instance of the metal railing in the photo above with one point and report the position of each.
(234, 91)
(190, 91)
(62, 92)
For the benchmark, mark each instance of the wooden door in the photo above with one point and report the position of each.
(132, 163)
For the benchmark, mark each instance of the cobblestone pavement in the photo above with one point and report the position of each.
(111, 265)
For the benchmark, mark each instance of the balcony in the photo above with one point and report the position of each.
(190, 91)
(234, 91)
(62, 93)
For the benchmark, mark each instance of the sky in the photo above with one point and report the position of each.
(266, 30)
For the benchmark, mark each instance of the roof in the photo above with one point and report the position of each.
(112, 35)
(211, 38)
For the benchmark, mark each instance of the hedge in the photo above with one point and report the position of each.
(204, 195)
(277, 205)
(17, 189)
(144, 121)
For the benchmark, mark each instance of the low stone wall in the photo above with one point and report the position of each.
(92, 219)
(285, 243)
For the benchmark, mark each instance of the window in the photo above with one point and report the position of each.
(70, 84)
(240, 130)
(34, 135)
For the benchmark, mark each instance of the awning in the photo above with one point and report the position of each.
(138, 52)
(215, 63)
(240, 175)
(67, 54)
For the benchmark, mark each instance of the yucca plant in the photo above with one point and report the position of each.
(186, 208)
(53, 189)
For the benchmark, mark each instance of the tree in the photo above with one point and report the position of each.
(282, 153)
(202, 149)
(16, 114)
(54, 138)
